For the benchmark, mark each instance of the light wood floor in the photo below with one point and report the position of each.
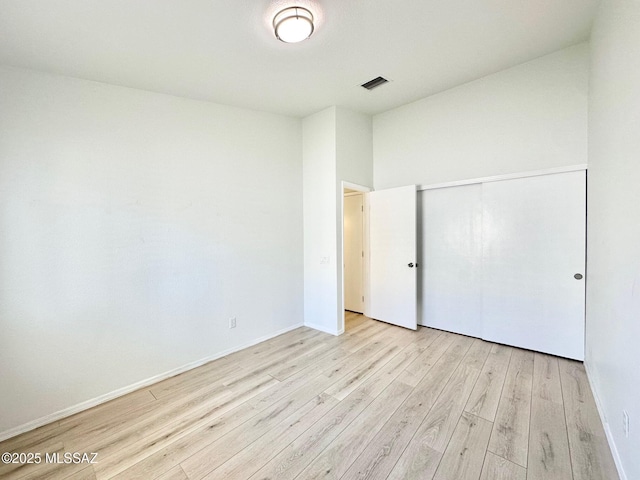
(378, 402)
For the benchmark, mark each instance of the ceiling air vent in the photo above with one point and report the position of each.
(376, 82)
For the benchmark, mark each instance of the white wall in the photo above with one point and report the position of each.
(354, 138)
(530, 117)
(613, 253)
(132, 226)
(319, 192)
(336, 147)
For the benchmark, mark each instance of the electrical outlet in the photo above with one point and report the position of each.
(232, 322)
(625, 423)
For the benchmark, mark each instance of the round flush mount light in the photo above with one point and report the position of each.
(293, 24)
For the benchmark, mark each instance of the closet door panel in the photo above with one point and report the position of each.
(533, 244)
(450, 272)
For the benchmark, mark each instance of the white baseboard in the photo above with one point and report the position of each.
(324, 329)
(67, 412)
(607, 429)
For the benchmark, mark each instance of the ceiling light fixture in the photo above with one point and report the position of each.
(293, 24)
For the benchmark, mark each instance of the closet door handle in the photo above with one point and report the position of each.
(578, 276)
(410, 265)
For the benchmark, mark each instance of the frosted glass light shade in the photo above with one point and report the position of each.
(293, 24)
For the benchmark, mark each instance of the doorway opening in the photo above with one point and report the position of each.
(353, 254)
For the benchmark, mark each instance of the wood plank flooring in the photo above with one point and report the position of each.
(379, 402)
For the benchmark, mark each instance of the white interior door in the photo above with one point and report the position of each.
(392, 256)
(353, 253)
(450, 273)
(533, 245)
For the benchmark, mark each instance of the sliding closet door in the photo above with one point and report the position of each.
(450, 274)
(534, 263)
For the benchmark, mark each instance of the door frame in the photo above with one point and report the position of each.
(365, 241)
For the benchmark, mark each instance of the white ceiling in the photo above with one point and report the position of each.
(225, 51)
